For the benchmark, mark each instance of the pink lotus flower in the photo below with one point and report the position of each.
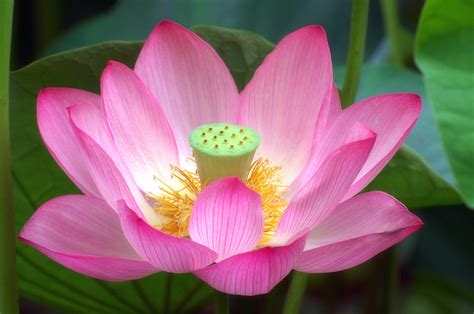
(295, 207)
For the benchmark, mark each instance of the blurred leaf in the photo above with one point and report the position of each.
(407, 177)
(37, 178)
(134, 20)
(445, 54)
(445, 244)
(437, 295)
(442, 263)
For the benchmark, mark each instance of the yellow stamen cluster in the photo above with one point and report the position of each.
(175, 205)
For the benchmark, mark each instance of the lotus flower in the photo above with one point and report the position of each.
(240, 222)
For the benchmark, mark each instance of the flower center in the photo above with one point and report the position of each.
(221, 150)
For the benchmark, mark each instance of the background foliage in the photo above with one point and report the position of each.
(436, 272)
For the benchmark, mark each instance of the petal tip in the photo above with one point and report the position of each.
(313, 29)
(111, 64)
(416, 102)
(167, 25)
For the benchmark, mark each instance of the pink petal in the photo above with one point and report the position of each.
(58, 135)
(321, 194)
(252, 273)
(114, 184)
(227, 218)
(166, 252)
(189, 79)
(91, 120)
(330, 109)
(390, 116)
(285, 96)
(139, 127)
(357, 230)
(84, 234)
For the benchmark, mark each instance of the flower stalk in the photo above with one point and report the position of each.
(355, 55)
(221, 303)
(391, 284)
(295, 293)
(8, 285)
(392, 29)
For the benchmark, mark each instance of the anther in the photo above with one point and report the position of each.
(205, 142)
(226, 127)
(241, 130)
(210, 129)
(203, 133)
(221, 132)
(215, 137)
(225, 141)
(231, 146)
(216, 146)
(245, 138)
(240, 143)
(233, 135)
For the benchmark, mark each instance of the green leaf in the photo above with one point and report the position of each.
(413, 182)
(408, 177)
(444, 53)
(37, 178)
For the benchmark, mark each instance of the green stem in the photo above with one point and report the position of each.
(392, 29)
(221, 303)
(295, 295)
(355, 55)
(391, 284)
(382, 287)
(8, 284)
(167, 294)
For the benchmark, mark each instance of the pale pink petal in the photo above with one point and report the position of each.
(390, 116)
(114, 184)
(356, 132)
(55, 129)
(330, 109)
(91, 120)
(227, 218)
(323, 192)
(189, 79)
(166, 252)
(252, 273)
(84, 234)
(138, 125)
(357, 230)
(284, 98)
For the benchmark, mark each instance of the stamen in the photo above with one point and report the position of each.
(175, 204)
